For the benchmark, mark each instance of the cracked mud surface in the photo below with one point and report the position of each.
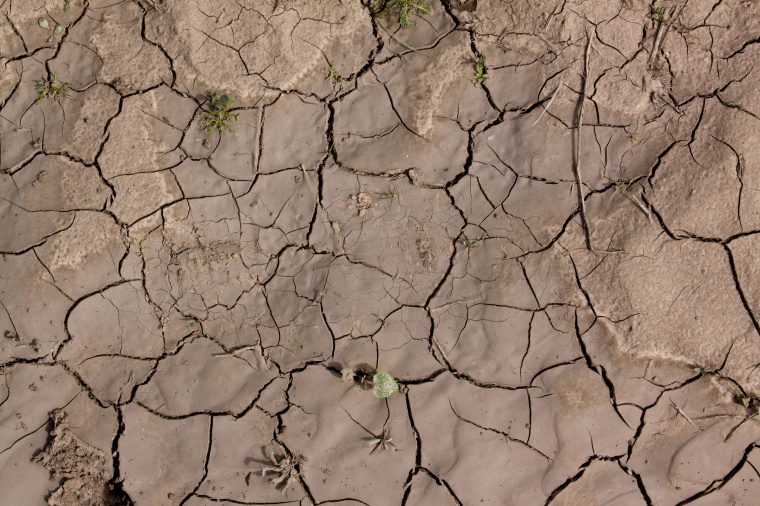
(177, 307)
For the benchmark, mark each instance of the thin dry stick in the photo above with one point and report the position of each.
(554, 13)
(636, 202)
(577, 153)
(236, 354)
(547, 105)
(655, 44)
(662, 31)
(680, 412)
(397, 39)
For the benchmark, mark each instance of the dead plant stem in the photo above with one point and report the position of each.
(577, 138)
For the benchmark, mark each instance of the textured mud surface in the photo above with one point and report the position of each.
(177, 306)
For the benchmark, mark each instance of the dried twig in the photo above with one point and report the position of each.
(548, 105)
(662, 30)
(237, 351)
(680, 412)
(577, 151)
(400, 41)
(554, 13)
(619, 188)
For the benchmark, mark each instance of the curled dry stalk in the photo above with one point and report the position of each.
(286, 469)
(382, 442)
(577, 145)
(664, 21)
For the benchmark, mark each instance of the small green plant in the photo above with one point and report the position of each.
(218, 116)
(471, 243)
(332, 75)
(52, 88)
(405, 9)
(382, 384)
(389, 195)
(658, 14)
(704, 372)
(67, 4)
(480, 71)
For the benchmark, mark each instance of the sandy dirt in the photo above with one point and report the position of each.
(187, 316)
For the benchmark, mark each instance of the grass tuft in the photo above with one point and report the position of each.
(405, 9)
(52, 88)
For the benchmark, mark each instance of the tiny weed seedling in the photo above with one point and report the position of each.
(67, 4)
(382, 442)
(471, 243)
(333, 76)
(480, 71)
(382, 384)
(52, 88)
(658, 14)
(405, 9)
(218, 116)
(388, 195)
(57, 30)
(704, 372)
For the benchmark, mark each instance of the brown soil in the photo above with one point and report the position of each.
(555, 261)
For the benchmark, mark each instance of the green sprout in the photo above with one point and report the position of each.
(471, 243)
(704, 372)
(47, 88)
(405, 9)
(332, 75)
(383, 385)
(218, 116)
(480, 71)
(658, 14)
(389, 195)
(67, 4)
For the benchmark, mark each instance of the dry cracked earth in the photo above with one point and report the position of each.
(555, 261)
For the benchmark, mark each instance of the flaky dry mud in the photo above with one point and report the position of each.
(177, 306)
